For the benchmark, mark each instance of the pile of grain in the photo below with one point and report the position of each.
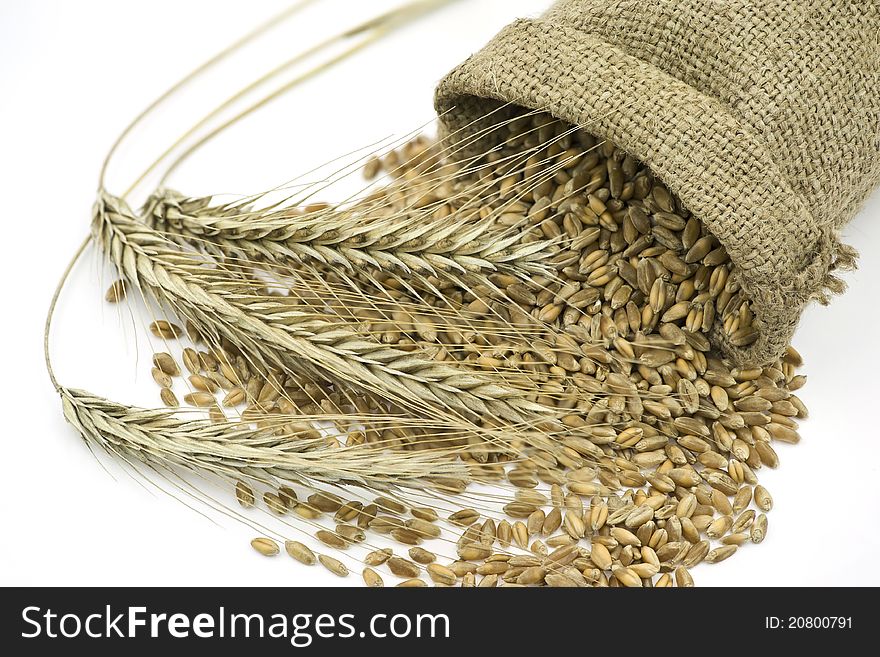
(635, 448)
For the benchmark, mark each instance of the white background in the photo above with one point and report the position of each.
(74, 74)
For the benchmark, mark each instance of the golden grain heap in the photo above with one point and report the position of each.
(493, 370)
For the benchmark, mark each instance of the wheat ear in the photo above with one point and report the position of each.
(275, 330)
(236, 450)
(350, 239)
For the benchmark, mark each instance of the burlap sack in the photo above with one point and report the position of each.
(763, 117)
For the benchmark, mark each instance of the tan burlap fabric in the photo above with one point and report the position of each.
(763, 117)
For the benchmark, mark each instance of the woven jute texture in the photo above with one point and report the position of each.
(763, 117)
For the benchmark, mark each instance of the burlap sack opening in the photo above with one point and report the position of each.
(764, 118)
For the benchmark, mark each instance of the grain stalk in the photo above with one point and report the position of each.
(278, 334)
